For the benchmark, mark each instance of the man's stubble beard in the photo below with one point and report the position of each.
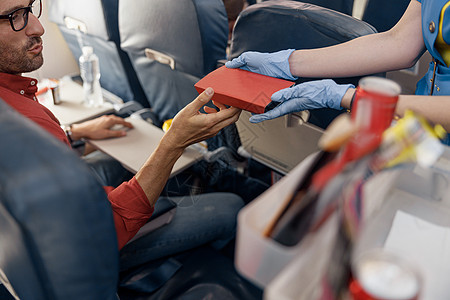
(17, 61)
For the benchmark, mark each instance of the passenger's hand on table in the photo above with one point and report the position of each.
(305, 96)
(271, 64)
(100, 128)
(190, 126)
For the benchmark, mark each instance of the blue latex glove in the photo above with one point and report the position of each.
(271, 64)
(308, 95)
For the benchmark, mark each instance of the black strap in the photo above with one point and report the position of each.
(149, 280)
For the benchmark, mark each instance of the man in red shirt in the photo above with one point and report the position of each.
(133, 201)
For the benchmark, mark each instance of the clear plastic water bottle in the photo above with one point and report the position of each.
(90, 73)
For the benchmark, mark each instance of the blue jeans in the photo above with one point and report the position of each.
(200, 219)
(108, 171)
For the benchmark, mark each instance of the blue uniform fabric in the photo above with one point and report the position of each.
(431, 10)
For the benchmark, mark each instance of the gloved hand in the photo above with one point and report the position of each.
(271, 64)
(308, 95)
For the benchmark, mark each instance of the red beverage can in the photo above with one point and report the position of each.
(378, 275)
(374, 104)
(373, 110)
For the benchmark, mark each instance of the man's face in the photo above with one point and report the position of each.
(20, 51)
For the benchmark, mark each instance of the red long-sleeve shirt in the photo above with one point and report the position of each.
(130, 206)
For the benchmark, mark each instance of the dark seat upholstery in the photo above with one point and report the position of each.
(384, 14)
(276, 25)
(191, 33)
(204, 274)
(343, 6)
(57, 237)
(95, 23)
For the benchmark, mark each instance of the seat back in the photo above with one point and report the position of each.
(276, 25)
(271, 26)
(343, 6)
(384, 14)
(95, 23)
(57, 237)
(183, 40)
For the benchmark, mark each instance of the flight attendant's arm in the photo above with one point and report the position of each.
(395, 49)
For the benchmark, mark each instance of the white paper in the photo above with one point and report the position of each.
(428, 246)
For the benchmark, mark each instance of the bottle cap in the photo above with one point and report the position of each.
(87, 50)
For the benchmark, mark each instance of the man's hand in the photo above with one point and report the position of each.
(274, 64)
(99, 128)
(191, 126)
(188, 127)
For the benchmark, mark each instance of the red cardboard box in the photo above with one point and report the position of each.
(242, 89)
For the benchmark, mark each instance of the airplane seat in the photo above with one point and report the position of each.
(172, 44)
(95, 23)
(272, 25)
(384, 14)
(57, 239)
(343, 6)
